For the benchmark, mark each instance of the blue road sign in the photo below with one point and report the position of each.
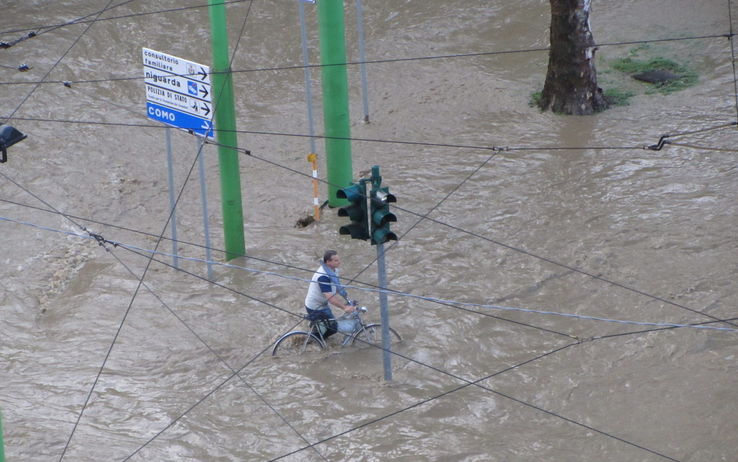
(179, 119)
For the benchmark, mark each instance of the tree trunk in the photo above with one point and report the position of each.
(571, 81)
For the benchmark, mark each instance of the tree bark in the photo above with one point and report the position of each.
(571, 80)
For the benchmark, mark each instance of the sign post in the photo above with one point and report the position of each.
(178, 94)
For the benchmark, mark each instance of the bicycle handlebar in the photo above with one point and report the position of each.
(355, 313)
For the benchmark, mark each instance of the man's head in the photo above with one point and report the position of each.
(331, 260)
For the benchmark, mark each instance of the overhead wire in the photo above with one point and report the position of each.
(312, 445)
(653, 147)
(125, 315)
(115, 226)
(201, 400)
(394, 292)
(151, 257)
(526, 252)
(66, 446)
(232, 58)
(664, 139)
(731, 34)
(593, 338)
(38, 30)
(143, 252)
(505, 245)
(353, 139)
(647, 331)
(662, 455)
(36, 86)
(261, 353)
(391, 60)
(468, 383)
(477, 383)
(407, 231)
(116, 243)
(141, 282)
(700, 148)
(135, 231)
(394, 413)
(445, 301)
(572, 268)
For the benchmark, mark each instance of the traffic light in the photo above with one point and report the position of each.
(381, 217)
(356, 210)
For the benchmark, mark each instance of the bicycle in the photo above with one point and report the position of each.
(350, 325)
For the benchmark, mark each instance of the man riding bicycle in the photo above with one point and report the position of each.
(325, 289)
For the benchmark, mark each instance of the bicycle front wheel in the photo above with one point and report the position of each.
(296, 343)
(371, 334)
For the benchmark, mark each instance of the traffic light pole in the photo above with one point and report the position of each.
(370, 220)
(384, 313)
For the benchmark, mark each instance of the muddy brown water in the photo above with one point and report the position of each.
(602, 229)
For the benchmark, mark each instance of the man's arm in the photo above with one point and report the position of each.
(335, 300)
(332, 297)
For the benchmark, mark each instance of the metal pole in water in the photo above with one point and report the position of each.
(336, 117)
(225, 124)
(170, 176)
(362, 58)
(306, 75)
(312, 157)
(384, 312)
(204, 196)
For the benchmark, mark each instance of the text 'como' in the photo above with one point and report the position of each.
(161, 114)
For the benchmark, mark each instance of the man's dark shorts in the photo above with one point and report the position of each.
(325, 324)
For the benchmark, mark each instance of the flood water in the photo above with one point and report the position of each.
(106, 355)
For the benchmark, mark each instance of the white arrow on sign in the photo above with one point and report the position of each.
(174, 65)
(177, 84)
(179, 101)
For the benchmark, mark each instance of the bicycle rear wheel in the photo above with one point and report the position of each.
(371, 334)
(296, 343)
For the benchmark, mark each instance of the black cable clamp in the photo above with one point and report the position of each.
(661, 143)
(100, 240)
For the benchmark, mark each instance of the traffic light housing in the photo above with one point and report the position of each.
(380, 216)
(356, 210)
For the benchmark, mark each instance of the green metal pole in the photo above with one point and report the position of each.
(225, 126)
(335, 98)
